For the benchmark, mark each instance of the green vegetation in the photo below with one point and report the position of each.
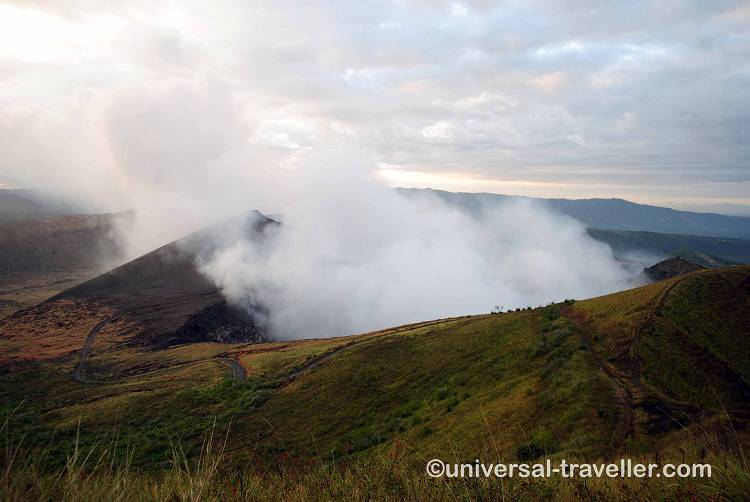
(103, 472)
(698, 350)
(652, 372)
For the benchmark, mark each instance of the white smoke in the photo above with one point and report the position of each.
(353, 255)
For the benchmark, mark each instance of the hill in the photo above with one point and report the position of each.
(27, 204)
(611, 214)
(162, 293)
(638, 372)
(618, 214)
(165, 296)
(14, 205)
(40, 258)
(720, 208)
(671, 267)
(58, 244)
(702, 259)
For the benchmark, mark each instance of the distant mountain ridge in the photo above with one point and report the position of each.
(724, 208)
(606, 214)
(610, 214)
(723, 250)
(29, 204)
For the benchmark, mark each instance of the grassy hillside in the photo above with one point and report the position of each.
(641, 372)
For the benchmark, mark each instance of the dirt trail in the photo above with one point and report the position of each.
(623, 388)
(238, 371)
(655, 312)
(312, 363)
(631, 392)
(78, 372)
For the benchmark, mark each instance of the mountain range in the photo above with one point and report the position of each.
(608, 214)
(41, 255)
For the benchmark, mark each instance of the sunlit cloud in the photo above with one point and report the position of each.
(540, 93)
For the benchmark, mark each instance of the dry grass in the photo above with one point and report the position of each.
(103, 472)
(48, 331)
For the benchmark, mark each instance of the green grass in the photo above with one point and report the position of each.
(699, 350)
(103, 472)
(518, 385)
(503, 370)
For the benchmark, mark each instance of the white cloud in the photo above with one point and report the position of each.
(401, 79)
(571, 46)
(459, 10)
(353, 256)
(439, 130)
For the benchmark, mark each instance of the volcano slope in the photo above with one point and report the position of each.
(640, 372)
(155, 301)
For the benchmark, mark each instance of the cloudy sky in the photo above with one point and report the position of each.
(648, 101)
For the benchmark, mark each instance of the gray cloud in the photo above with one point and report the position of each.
(610, 94)
(189, 113)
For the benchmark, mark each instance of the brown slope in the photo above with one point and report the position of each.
(164, 293)
(671, 267)
(157, 300)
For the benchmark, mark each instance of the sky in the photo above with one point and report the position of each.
(648, 101)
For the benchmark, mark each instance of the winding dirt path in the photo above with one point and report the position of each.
(631, 392)
(238, 371)
(86, 349)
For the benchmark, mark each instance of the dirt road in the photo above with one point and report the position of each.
(78, 372)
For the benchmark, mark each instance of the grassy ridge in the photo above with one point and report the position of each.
(697, 349)
(491, 371)
(527, 378)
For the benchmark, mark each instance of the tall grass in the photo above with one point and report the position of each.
(99, 472)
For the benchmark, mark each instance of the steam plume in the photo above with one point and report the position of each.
(353, 255)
